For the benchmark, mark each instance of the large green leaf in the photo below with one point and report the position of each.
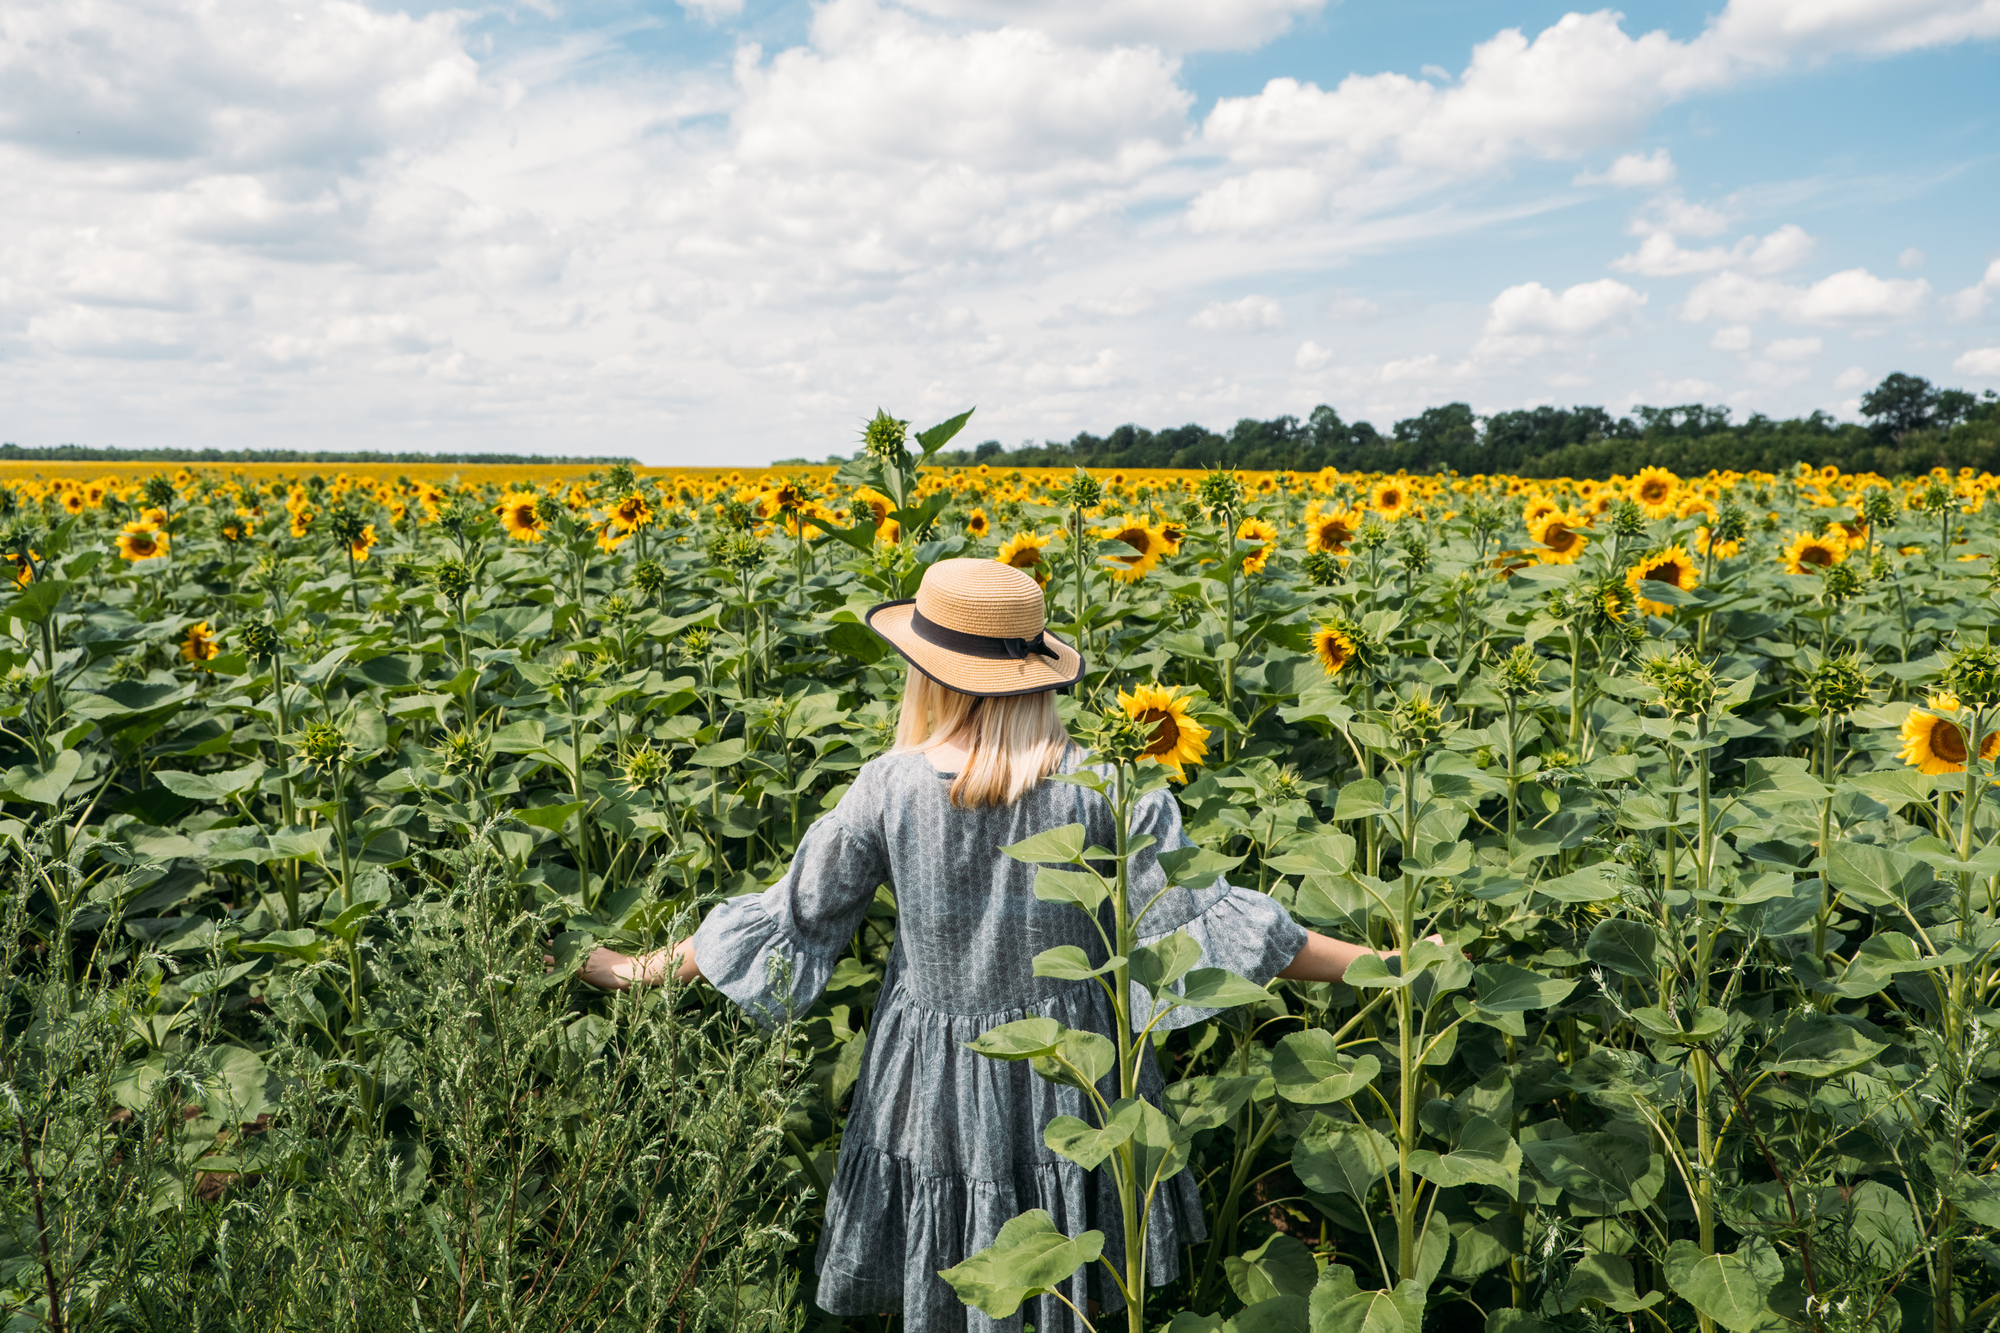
(1606, 1279)
(1027, 1258)
(1080, 888)
(1341, 1157)
(1875, 876)
(1311, 1071)
(1159, 965)
(1731, 1289)
(210, 786)
(1219, 988)
(43, 784)
(1486, 1155)
(1210, 1101)
(1504, 989)
(1019, 1040)
(1624, 946)
(1281, 1266)
(1819, 1045)
(1057, 846)
(1085, 1144)
(1598, 1169)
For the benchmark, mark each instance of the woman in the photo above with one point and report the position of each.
(942, 1146)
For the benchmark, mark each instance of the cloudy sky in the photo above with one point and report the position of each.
(723, 231)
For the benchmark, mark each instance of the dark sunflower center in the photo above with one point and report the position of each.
(1653, 492)
(1026, 559)
(1557, 537)
(1166, 732)
(1948, 742)
(1816, 555)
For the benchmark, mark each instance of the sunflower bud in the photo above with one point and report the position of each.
(739, 552)
(1081, 491)
(1841, 583)
(460, 753)
(323, 744)
(620, 479)
(885, 439)
(615, 609)
(571, 672)
(452, 576)
(1417, 720)
(1627, 519)
(1372, 535)
(260, 638)
(1518, 673)
(649, 577)
(348, 526)
(1686, 684)
(1416, 548)
(1117, 737)
(1934, 498)
(1731, 525)
(1322, 569)
(1220, 492)
(646, 768)
(695, 644)
(1973, 674)
(1838, 683)
(159, 491)
(1186, 608)
(1878, 507)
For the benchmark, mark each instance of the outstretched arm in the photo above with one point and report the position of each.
(1326, 959)
(608, 969)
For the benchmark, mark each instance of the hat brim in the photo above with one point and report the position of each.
(983, 677)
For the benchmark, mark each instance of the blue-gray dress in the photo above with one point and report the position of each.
(942, 1145)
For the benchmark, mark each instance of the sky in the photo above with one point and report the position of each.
(722, 232)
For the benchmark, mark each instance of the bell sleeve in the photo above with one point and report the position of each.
(773, 952)
(1240, 930)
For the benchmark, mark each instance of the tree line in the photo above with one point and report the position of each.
(1912, 425)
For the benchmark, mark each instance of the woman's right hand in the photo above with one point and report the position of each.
(607, 969)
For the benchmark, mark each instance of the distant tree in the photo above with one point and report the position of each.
(1901, 404)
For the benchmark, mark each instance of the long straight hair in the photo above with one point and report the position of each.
(1014, 742)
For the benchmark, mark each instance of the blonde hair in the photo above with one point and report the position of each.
(1014, 741)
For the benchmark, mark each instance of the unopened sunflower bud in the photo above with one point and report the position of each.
(1838, 683)
(646, 768)
(1518, 673)
(1973, 674)
(1417, 720)
(452, 576)
(1627, 518)
(649, 577)
(884, 438)
(260, 639)
(322, 744)
(460, 753)
(1220, 491)
(1686, 684)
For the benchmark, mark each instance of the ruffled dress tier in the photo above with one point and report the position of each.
(943, 1146)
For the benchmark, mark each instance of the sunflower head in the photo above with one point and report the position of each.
(1972, 674)
(1838, 683)
(1334, 648)
(1331, 532)
(1024, 552)
(1934, 737)
(141, 541)
(521, 515)
(1519, 673)
(1672, 566)
(977, 524)
(1559, 536)
(1417, 720)
(1172, 739)
(1147, 548)
(1812, 552)
(199, 644)
(1654, 490)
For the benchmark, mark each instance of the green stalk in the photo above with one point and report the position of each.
(1229, 633)
(1575, 687)
(1407, 1044)
(1513, 772)
(1131, 1196)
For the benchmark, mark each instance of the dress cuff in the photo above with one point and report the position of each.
(746, 953)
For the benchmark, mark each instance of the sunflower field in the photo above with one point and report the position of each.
(305, 776)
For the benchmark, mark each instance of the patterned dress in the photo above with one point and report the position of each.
(942, 1145)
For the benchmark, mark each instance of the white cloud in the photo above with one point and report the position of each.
(1588, 307)
(1854, 377)
(1354, 310)
(1793, 349)
(1177, 25)
(1311, 356)
(1774, 30)
(712, 11)
(1981, 361)
(1852, 296)
(1633, 169)
(1410, 368)
(1126, 303)
(1250, 314)
(1910, 258)
(1972, 302)
(1660, 256)
(1731, 338)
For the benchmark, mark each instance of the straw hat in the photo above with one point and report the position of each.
(976, 626)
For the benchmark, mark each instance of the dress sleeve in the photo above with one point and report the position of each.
(1240, 930)
(772, 952)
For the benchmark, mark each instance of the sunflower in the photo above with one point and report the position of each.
(1258, 531)
(199, 645)
(889, 533)
(610, 537)
(1178, 739)
(976, 523)
(1672, 566)
(302, 519)
(73, 503)
(1331, 532)
(360, 546)
(1808, 553)
(1024, 552)
(520, 513)
(1559, 537)
(878, 504)
(1704, 543)
(632, 513)
(1171, 535)
(1694, 504)
(1538, 508)
(1654, 489)
(24, 571)
(236, 528)
(141, 541)
(1934, 744)
(1390, 498)
(1333, 648)
(1145, 543)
